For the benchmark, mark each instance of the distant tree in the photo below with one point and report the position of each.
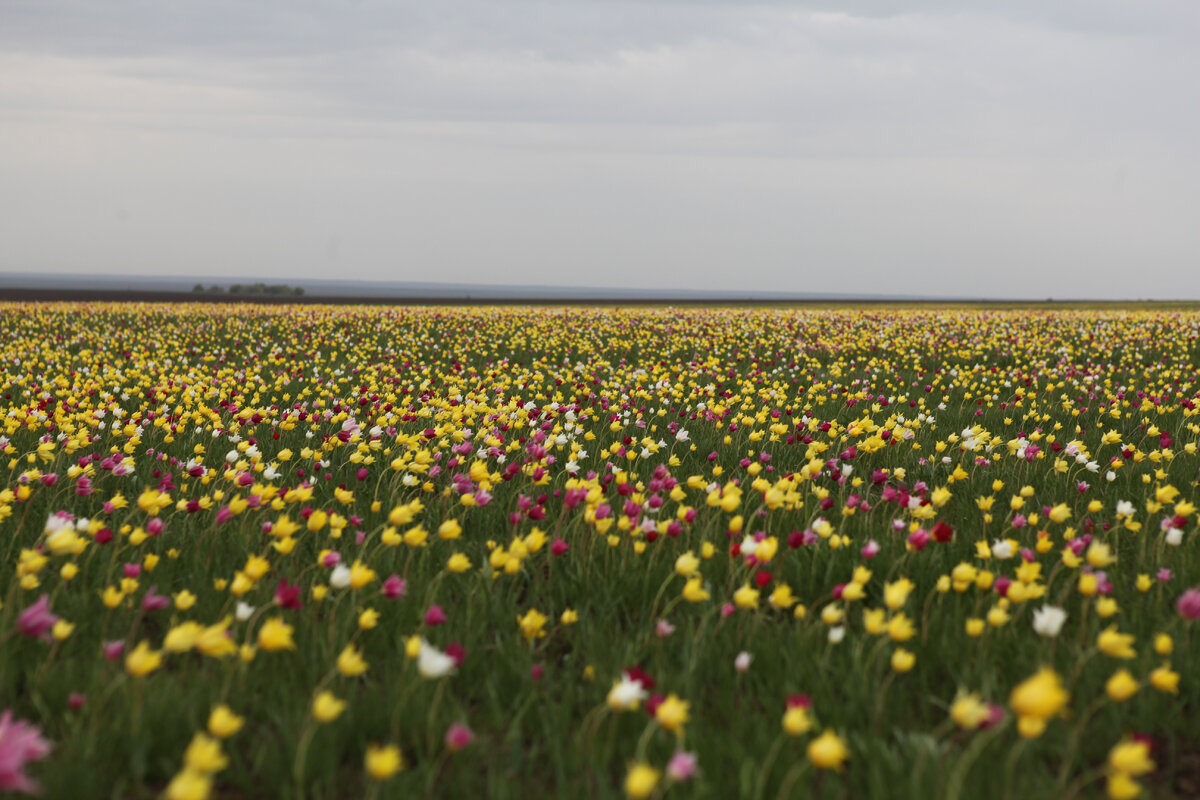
(260, 289)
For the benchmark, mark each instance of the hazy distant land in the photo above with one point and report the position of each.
(30, 286)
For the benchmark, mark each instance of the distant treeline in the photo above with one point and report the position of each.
(273, 289)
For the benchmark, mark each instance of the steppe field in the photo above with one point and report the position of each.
(520, 552)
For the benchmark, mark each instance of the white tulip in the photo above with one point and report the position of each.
(340, 577)
(1048, 621)
(433, 663)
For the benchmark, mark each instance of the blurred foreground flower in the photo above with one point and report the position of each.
(433, 663)
(383, 761)
(1036, 700)
(20, 743)
(458, 736)
(640, 781)
(36, 620)
(828, 751)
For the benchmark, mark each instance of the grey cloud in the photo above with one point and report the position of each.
(949, 147)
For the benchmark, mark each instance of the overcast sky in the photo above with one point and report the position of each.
(1022, 148)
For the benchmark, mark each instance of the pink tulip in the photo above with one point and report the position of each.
(37, 619)
(394, 587)
(682, 766)
(20, 743)
(1189, 604)
(153, 601)
(458, 736)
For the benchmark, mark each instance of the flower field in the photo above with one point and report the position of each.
(335, 552)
